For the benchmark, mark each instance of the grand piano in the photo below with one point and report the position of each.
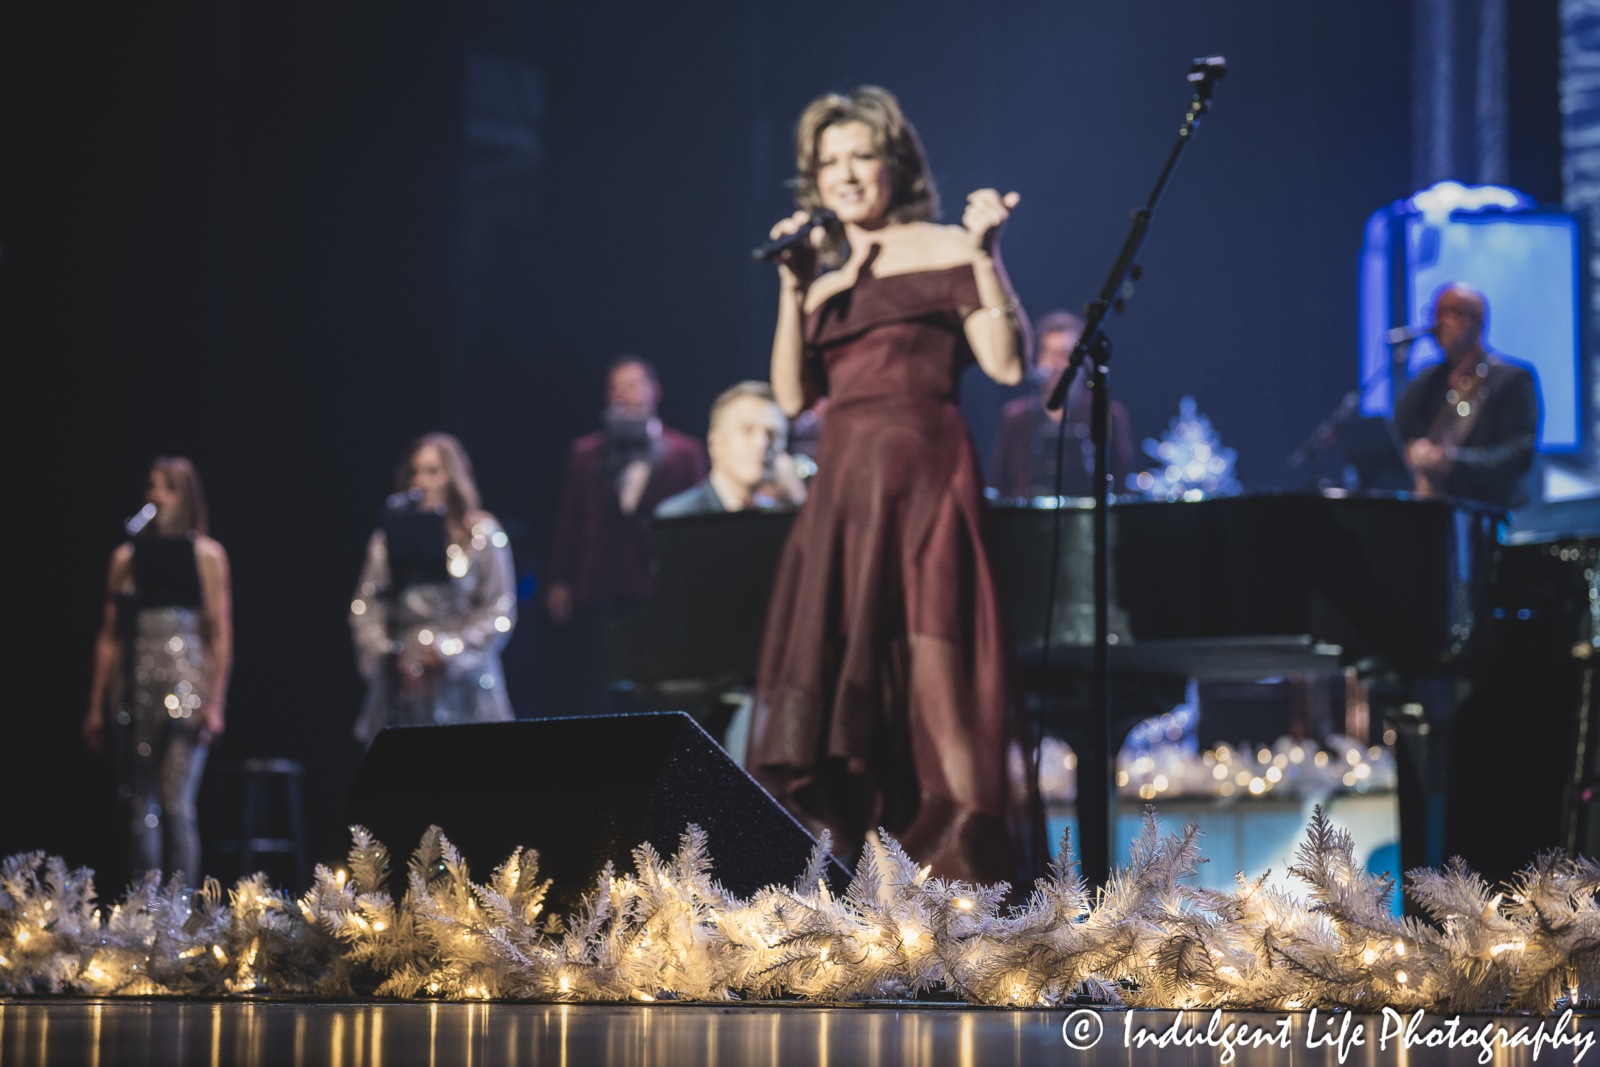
(1228, 589)
(1231, 588)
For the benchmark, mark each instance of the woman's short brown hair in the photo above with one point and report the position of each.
(184, 480)
(913, 197)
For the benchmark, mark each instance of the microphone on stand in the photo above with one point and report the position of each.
(1402, 335)
(771, 250)
(1206, 70)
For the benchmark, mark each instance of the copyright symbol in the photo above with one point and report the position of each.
(1082, 1029)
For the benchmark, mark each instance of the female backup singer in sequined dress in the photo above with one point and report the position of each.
(429, 619)
(885, 693)
(162, 662)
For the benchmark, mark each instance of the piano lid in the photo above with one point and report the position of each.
(1233, 587)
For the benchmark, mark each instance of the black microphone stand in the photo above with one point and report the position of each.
(1351, 404)
(1097, 790)
(1322, 436)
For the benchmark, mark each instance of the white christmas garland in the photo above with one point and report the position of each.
(670, 932)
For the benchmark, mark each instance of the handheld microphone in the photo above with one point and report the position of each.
(141, 520)
(771, 250)
(1401, 335)
(409, 503)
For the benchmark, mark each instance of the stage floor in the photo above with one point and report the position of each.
(117, 1032)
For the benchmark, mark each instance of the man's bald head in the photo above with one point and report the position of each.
(1458, 314)
(1462, 297)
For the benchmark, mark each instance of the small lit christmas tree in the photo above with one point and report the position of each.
(1193, 464)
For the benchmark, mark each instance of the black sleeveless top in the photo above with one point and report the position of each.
(164, 573)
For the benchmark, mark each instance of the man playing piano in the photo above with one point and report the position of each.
(1469, 422)
(749, 467)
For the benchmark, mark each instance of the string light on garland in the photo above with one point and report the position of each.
(668, 931)
(1163, 769)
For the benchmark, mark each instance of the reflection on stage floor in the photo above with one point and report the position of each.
(120, 1032)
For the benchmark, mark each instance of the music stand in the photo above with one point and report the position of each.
(416, 543)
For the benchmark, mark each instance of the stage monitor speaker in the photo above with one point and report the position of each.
(1524, 766)
(581, 791)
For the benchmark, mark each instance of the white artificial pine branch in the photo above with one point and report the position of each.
(1553, 902)
(669, 930)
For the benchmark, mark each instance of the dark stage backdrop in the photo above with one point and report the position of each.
(286, 238)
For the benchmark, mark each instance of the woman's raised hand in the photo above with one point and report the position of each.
(986, 216)
(797, 264)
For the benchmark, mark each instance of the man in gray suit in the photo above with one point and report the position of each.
(749, 465)
(750, 468)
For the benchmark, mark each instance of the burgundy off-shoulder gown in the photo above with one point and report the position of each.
(885, 695)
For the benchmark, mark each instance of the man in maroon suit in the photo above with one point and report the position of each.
(600, 558)
(1023, 464)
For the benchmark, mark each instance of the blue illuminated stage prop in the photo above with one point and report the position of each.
(1524, 259)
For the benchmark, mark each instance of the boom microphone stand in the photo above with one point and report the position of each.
(1097, 791)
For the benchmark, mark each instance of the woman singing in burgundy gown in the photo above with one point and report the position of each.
(885, 693)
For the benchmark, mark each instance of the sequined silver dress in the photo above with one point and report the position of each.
(430, 652)
(166, 679)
